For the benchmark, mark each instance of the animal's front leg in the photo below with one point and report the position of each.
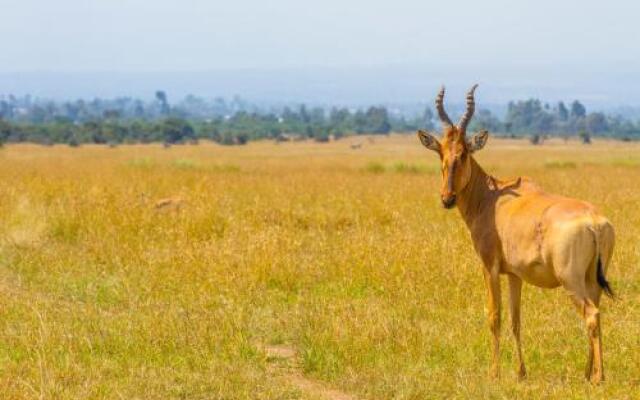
(492, 280)
(515, 291)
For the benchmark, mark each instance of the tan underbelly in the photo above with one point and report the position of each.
(536, 274)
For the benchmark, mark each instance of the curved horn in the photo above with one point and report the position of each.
(471, 107)
(440, 108)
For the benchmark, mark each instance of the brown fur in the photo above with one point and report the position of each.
(529, 235)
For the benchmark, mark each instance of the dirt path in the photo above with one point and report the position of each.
(283, 362)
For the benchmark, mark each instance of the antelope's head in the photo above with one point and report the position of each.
(454, 148)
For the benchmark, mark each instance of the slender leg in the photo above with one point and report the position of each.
(492, 281)
(592, 318)
(589, 368)
(515, 290)
(589, 310)
(594, 292)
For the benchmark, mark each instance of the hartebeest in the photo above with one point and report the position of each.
(525, 233)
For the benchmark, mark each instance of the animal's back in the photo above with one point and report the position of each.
(541, 233)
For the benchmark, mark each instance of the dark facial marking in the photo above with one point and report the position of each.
(452, 172)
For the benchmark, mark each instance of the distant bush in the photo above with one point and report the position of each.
(585, 137)
(536, 139)
(73, 142)
(375, 167)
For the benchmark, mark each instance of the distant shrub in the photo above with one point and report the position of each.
(585, 137)
(73, 142)
(375, 167)
(536, 139)
(229, 138)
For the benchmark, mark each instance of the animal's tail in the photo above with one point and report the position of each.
(602, 280)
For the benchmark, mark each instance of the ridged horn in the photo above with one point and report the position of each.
(440, 108)
(468, 114)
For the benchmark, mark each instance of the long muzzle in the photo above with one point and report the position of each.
(448, 196)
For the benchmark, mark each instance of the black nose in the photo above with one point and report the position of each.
(449, 202)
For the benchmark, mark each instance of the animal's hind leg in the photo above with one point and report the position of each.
(592, 319)
(588, 308)
(575, 266)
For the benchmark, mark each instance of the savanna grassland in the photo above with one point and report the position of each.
(152, 273)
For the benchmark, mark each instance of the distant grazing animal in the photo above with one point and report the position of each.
(355, 146)
(525, 233)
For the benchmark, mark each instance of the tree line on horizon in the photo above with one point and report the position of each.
(235, 121)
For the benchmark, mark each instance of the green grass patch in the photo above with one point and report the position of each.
(626, 162)
(399, 167)
(406, 168)
(560, 164)
(375, 167)
(185, 163)
(142, 163)
(225, 168)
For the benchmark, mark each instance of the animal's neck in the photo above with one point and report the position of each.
(476, 195)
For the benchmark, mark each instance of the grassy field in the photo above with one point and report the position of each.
(340, 258)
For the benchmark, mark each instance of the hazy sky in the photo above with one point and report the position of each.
(543, 42)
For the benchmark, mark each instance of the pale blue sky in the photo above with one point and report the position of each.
(515, 43)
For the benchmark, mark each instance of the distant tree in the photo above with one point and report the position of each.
(316, 116)
(176, 130)
(227, 138)
(111, 114)
(73, 141)
(377, 120)
(340, 120)
(543, 122)
(360, 122)
(5, 109)
(5, 131)
(161, 96)
(304, 115)
(427, 119)
(596, 122)
(321, 135)
(138, 109)
(484, 119)
(242, 138)
(527, 116)
(563, 113)
(585, 137)
(578, 110)
(536, 139)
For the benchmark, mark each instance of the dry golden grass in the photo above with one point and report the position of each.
(343, 255)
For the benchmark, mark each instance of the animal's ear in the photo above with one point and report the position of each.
(429, 141)
(477, 141)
